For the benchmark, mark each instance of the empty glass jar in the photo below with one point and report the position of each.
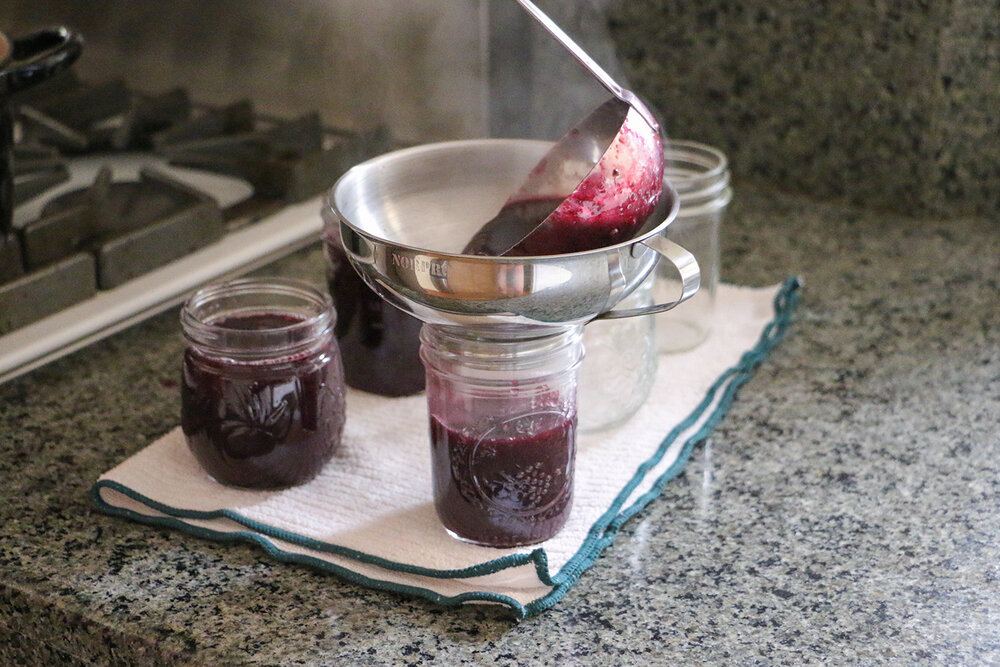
(503, 416)
(619, 366)
(700, 173)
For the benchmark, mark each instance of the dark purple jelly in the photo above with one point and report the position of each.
(508, 486)
(566, 230)
(379, 343)
(263, 422)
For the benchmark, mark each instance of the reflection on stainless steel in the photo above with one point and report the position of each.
(428, 70)
(705, 500)
(536, 89)
(638, 545)
(584, 58)
(403, 215)
(418, 67)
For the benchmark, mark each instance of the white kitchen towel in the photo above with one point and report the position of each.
(369, 516)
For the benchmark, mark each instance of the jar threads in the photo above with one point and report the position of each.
(700, 174)
(620, 365)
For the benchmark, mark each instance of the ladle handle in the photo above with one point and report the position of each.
(584, 58)
(687, 267)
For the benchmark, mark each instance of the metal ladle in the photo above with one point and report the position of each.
(625, 96)
(610, 164)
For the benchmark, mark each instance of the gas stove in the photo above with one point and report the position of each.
(127, 202)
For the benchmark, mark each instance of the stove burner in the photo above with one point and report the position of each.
(41, 293)
(76, 118)
(291, 160)
(128, 226)
(122, 226)
(148, 115)
(36, 169)
(235, 118)
(11, 266)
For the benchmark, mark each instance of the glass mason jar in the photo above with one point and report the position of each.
(262, 393)
(503, 430)
(379, 343)
(700, 173)
(619, 368)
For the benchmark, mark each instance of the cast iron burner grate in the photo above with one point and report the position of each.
(131, 227)
(286, 161)
(70, 247)
(36, 169)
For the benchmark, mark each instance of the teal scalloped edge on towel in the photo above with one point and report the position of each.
(602, 534)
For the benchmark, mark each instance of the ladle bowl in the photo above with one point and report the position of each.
(596, 183)
(405, 216)
(593, 187)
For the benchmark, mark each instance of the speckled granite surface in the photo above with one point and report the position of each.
(893, 105)
(847, 510)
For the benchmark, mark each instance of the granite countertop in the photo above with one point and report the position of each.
(847, 509)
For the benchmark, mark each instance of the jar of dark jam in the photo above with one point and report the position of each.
(503, 430)
(379, 343)
(262, 395)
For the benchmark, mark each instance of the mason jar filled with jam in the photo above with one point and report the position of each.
(262, 394)
(379, 343)
(503, 422)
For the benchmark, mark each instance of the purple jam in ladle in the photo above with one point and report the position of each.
(602, 179)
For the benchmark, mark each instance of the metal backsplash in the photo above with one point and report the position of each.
(417, 66)
(427, 69)
(536, 89)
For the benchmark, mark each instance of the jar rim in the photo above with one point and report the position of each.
(700, 174)
(487, 351)
(711, 158)
(204, 315)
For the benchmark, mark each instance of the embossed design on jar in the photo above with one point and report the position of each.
(522, 465)
(503, 423)
(258, 417)
(262, 402)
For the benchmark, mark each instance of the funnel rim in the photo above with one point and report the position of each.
(373, 164)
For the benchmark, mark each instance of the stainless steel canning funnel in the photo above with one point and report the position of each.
(405, 216)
